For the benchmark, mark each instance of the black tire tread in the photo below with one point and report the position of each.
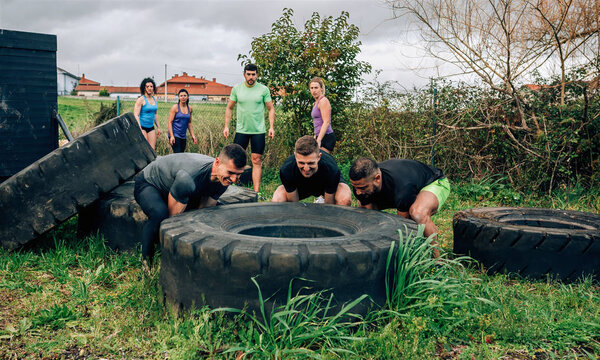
(567, 251)
(224, 261)
(53, 188)
(118, 217)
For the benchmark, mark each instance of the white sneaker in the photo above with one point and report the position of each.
(319, 200)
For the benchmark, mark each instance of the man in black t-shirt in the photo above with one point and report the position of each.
(311, 172)
(172, 183)
(414, 189)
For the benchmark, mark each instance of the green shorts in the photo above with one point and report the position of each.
(440, 188)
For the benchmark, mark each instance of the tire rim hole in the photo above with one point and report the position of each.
(291, 231)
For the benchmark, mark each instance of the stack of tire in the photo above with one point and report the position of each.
(57, 186)
(84, 177)
(119, 219)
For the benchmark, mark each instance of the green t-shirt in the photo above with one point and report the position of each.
(250, 107)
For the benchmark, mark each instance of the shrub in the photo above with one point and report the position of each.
(479, 133)
(105, 113)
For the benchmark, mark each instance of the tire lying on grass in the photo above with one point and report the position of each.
(119, 218)
(210, 255)
(531, 242)
(52, 189)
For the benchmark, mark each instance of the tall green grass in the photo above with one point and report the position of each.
(415, 279)
(305, 326)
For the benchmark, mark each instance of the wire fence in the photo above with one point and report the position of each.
(208, 120)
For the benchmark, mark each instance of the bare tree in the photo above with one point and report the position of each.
(569, 25)
(484, 37)
(503, 41)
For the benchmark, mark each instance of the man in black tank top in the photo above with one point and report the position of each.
(311, 172)
(414, 189)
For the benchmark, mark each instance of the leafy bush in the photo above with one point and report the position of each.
(479, 133)
(103, 92)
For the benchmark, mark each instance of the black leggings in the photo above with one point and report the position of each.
(179, 145)
(154, 205)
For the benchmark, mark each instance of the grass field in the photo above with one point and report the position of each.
(208, 120)
(74, 298)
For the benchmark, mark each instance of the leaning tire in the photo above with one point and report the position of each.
(53, 188)
(209, 256)
(530, 242)
(119, 218)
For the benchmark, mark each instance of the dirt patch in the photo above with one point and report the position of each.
(9, 300)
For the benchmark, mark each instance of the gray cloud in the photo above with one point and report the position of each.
(120, 42)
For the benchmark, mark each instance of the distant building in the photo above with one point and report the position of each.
(87, 87)
(132, 92)
(65, 81)
(198, 88)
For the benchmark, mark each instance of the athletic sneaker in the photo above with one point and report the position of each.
(319, 200)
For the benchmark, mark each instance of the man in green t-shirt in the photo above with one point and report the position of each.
(251, 98)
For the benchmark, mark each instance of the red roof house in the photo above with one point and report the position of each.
(87, 87)
(85, 81)
(198, 88)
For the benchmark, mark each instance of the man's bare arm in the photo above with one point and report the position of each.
(175, 207)
(293, 196)
(228, 110)
(207, 202)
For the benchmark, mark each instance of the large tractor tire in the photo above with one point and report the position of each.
(119, 218)
(530, 242)
(209, 256)
(55, 187)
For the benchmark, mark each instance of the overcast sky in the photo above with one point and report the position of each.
(121, 42)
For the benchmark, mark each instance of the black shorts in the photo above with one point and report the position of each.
(257, 142)
(328, 142)
(148, 129)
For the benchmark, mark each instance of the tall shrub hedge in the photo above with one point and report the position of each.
(478, 132)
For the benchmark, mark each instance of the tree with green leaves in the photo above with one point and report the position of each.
(288, 58)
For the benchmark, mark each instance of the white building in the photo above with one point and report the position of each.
(65, 81)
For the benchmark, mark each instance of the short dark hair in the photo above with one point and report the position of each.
(362, 168)
(306, 145)
(143, 85)
(235, 153)
(250, 67)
